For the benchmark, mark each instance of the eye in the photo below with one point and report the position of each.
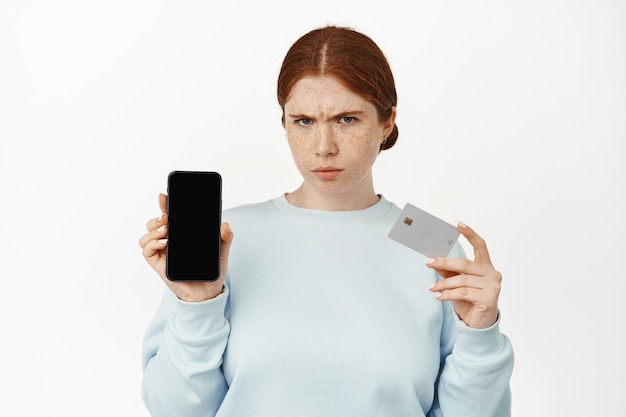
(347, 119)
(303, 122)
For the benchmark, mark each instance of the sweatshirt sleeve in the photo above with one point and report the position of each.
(182, 357)
(476, 368)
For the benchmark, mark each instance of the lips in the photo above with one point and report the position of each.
(327, 173)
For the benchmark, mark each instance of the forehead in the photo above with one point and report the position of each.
(324, 94)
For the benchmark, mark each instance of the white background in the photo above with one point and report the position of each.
(511, 118)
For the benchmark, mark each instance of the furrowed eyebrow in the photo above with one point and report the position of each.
(348, 114)
(335, 116)
(298, 116)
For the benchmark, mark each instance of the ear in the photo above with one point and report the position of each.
(389, 123)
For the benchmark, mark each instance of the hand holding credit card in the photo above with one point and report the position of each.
(423, 232)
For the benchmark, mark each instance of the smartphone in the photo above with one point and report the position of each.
(194, 211)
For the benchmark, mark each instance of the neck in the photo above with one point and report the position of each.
(305, 197)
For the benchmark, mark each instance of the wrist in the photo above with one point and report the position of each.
(480, 323)
(200, 296)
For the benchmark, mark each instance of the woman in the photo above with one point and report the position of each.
(317, 311)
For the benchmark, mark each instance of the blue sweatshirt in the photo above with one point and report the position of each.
(322, 315)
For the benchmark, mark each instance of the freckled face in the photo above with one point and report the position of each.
(334, 135)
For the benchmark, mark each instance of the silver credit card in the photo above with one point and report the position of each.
(423, 232)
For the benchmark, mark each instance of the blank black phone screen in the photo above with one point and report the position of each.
(194, 208)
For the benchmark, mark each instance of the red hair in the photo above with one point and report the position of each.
(349, 56)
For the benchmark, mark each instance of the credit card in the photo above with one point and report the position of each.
(423, 232)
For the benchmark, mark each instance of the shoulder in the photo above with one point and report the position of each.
(250, 210)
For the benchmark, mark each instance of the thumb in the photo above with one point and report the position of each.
(227, 238)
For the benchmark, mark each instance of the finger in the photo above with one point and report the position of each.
(490, 283)
(153, 247)
(156, 234)
(447, 267)
(481, 254)
(458, 281)
(163, 202)
(156, 222)
(471, 295)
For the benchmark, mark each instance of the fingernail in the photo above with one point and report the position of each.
(437, 294)
(162, 240)
(431, 286)
(160, 217)
(160, 229)
(461, 224)
(429, 261)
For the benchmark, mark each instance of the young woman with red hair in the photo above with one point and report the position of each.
(318, 312)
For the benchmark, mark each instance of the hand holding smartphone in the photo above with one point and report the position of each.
(194, 208)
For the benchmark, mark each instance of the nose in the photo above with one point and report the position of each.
(326, 142)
